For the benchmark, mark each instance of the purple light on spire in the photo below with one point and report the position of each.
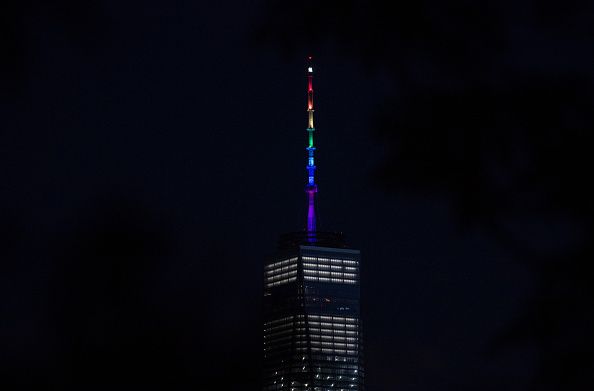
(311, 209)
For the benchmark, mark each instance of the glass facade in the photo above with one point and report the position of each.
(312, 326)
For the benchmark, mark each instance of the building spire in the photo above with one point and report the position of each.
(311, 188)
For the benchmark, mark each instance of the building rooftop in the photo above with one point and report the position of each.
(293, 240)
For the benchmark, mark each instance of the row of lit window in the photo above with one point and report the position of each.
(281, 269)
(331, 260)
(277, 337)
(312, 319)
(278, 342)
(338, 323)
(281, 276)
(305, 387)
(299, 325)
(274, 331)
(300, 331)
(299, 386)
(280, 336)
(325, 273)
(281, 263)
(329, 267)
(281, 342)
(334, 325)
(335, 359)
(333, 280)
(335, 338)
(320, 376)
(334, 344)
(278, 330)
(288, 321)
(314, 330)
(332, 332)
(335, 351)
(285, 319)
(348, 336)
(334, 318)
(281, 282)
(322, 367)
(298, 335)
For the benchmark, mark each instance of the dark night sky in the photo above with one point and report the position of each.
(153, 151)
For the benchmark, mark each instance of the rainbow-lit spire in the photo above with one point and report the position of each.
(311, 188)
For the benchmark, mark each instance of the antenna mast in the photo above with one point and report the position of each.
(311, 188)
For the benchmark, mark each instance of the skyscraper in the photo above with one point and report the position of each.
(312, 325)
